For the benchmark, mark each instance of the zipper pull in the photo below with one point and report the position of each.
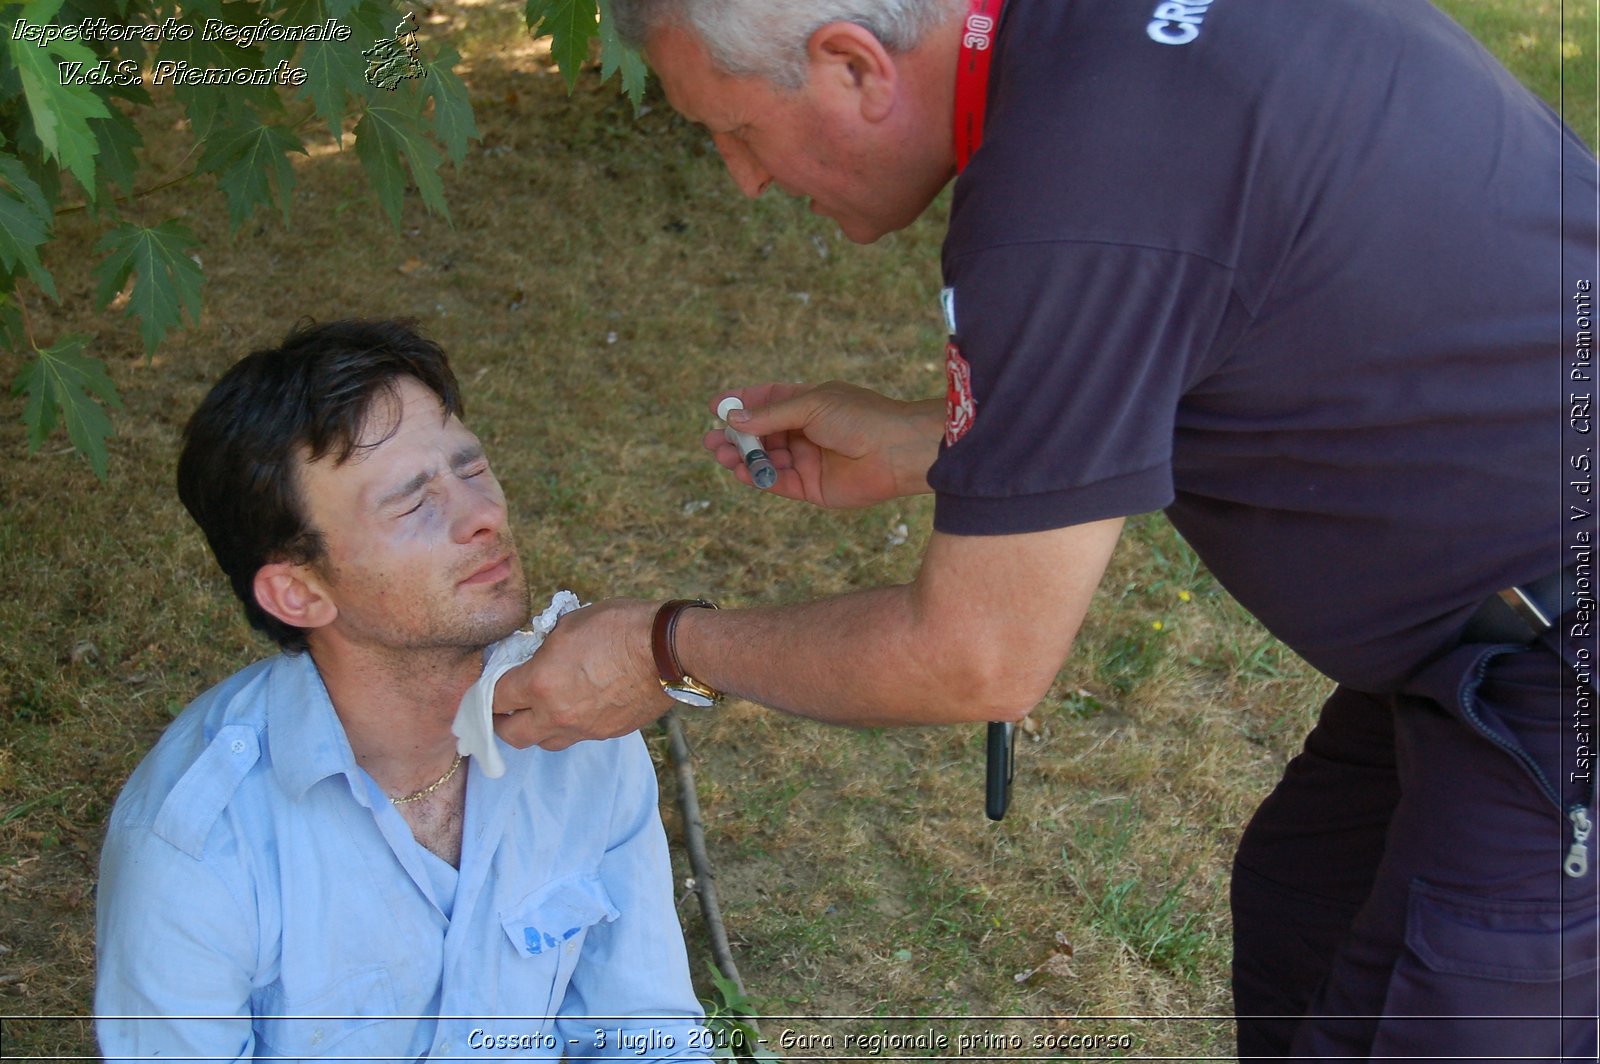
(1577, 862)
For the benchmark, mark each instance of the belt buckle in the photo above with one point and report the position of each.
(1527, 610)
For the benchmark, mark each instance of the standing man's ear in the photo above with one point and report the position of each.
(850, 58)
(294, 595)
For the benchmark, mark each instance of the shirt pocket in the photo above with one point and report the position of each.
(323, 1021)
(547, 929)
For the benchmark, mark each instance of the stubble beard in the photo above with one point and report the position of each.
(518, 611)
(511, 609)
(458, 630)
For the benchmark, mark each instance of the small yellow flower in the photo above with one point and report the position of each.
(1184, 596)
(1157, 625)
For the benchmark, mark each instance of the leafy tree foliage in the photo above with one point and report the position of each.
(76, 78)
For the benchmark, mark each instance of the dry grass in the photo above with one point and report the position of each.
(598, 284)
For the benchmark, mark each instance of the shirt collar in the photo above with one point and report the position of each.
(307, 741)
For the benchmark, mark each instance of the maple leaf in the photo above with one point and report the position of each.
(616, 56)
(61, 382)
(166, 280)
(570, 24)
(452, 108)
(386, 137)
(117, 138)
(25, 219)
(60, 112)
(251, 161)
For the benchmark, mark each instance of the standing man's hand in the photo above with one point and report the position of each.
(836, 445)
(592, 678)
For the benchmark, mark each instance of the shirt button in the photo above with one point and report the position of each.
(238, 746)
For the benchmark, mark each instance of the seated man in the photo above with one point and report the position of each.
(304, 865)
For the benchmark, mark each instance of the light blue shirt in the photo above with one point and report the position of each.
(260, 897)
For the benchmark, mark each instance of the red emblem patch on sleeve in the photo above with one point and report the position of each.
(960, 408)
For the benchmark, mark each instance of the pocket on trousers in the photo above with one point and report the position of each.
(1482, 978)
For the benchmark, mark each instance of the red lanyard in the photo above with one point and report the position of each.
(972, 76)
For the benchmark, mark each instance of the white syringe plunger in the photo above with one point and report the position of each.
(762, 472)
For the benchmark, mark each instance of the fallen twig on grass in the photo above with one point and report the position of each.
(694, 834)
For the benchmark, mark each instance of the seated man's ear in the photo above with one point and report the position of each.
(294, 595)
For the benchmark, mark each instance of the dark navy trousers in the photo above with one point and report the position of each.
(1401, 892)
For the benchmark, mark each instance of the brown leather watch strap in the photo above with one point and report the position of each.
(662, 645)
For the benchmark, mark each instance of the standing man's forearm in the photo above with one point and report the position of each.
(979, 635)
(859, 658)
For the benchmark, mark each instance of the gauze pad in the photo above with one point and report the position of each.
(474, 723)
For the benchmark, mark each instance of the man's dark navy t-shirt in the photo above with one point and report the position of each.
(1298, 281)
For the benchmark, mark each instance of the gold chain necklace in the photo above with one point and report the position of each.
(430, 788)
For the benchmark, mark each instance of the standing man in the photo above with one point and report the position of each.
(305, 865)
(1312, 278)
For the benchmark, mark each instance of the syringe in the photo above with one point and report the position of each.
(762, 472)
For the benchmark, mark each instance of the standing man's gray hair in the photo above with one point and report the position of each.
(767, 38)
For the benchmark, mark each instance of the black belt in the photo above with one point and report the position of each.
(1523, 613)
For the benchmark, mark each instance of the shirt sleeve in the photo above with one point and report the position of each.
(1079, 353)
(631, 990)
(175, 949)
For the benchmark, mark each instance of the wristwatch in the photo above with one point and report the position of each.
(675, 682)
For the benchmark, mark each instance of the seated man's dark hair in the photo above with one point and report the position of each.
(304, 400)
